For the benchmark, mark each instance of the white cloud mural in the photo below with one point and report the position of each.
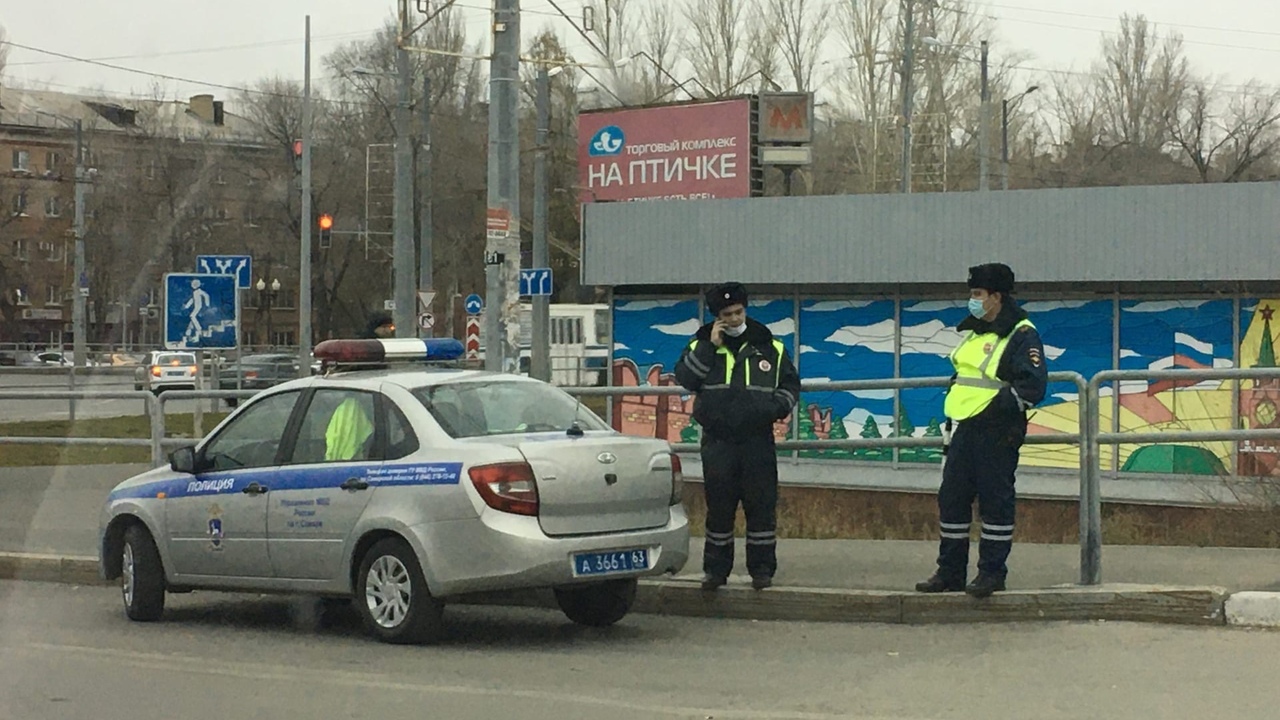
(785, 326)
(1159, 306)
(645, 305)
(683, 329)
(836, 305)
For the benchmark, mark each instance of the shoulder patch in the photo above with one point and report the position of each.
(1025, 328)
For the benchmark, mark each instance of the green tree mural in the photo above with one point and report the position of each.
(904, 428)
(870, 429)
(690, 432)
(805, 426)
(934, 429)
(838, 430)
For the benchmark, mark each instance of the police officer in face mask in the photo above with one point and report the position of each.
(1000, 373)
(745, 382)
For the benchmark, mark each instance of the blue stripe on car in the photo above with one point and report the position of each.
(312, 478)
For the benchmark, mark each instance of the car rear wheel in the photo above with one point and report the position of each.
(142, 576)
(393, 598)
(598, 605)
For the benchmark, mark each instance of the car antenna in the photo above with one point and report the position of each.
(575, 430)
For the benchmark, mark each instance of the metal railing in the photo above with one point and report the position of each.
(1089, 437)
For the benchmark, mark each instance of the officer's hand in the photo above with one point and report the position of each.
(717, 333)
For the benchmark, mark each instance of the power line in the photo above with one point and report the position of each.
(202, 51)
(1113, 33)
(1113, 19)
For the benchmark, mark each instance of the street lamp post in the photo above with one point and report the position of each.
(1005, 106)
(269, 297)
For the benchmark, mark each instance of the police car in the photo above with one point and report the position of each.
(401, 487)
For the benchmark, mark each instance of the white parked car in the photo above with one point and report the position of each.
(164, 370)
(401, 488)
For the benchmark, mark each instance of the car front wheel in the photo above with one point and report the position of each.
(393, 598)
(598, 605)
(142, 576)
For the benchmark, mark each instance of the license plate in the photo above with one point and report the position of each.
(607, 563)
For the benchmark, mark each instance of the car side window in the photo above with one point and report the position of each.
(253, 438)
(338, 426)
(401, 440)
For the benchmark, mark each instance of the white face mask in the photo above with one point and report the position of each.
(736, 331)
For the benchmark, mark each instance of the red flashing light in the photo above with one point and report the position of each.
(508, 487)
(297, 148)
(351, 351)
(326, 222)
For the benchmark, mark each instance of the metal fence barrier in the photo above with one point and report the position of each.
(1089, 438)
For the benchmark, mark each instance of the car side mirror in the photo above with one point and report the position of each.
(183, 460)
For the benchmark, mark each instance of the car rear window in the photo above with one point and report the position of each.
(504, 407)
(176, 359)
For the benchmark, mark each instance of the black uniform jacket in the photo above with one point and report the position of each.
(742, 392)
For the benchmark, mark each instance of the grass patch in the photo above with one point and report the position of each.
(177, 425)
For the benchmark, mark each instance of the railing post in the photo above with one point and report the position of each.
(155, 408)
(1090, 489)
(71, 386)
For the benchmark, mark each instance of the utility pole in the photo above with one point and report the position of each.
(82, 284)
(426, 279)
(502, 251)
(908, 64)
(304, 262)
(402, 203)
(984, 181)
(1004, 144)
(540, 351)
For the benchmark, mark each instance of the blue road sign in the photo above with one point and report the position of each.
(239, 265)
(473, 304)
(201, 311)
(535, 281)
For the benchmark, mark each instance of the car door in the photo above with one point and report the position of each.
(218, 521)
(323, 486)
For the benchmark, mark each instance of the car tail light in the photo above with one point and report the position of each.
(156, 370)
(677, 480)
(251, 375)
(192, 370)
(509, 487)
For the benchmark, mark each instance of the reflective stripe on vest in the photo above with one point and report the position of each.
(976, 360)
(731, 361)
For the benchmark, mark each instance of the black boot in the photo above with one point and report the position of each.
(984, 585)
(938, 584)
(760, 582)
(711, 583)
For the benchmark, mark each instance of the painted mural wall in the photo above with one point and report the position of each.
(858, 339)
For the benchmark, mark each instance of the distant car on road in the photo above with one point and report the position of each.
(401, 489)
(258, 372)
(164, 370)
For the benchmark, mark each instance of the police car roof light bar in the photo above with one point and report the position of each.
(372, 352)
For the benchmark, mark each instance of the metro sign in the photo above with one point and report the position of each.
(786, 117)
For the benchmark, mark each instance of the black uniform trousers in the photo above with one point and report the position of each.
(980, 463)
(740, 472)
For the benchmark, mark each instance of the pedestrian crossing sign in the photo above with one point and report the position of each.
(201, 312)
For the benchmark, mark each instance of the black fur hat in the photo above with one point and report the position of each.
(993, 277)
(722, 296)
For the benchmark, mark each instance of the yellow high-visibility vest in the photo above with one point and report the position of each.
(768, 374)
(976, 360)
(348, 430)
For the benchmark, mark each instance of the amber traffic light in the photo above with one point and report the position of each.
(326, 222)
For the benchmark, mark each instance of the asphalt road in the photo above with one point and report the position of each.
(67, 652)
(40, 408)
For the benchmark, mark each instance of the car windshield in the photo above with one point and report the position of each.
(504, 407)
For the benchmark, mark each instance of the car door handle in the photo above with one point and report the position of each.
(354, 484)
(254, 489)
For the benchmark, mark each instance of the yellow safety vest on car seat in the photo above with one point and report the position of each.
(976, 360)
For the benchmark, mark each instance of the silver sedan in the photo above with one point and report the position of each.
(400, 489)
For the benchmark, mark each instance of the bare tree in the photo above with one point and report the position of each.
(802, 29)
(722, 43)
(1140, 82)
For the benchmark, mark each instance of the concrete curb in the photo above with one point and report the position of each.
(680, 597)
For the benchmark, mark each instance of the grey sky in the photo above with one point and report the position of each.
(1233, 40)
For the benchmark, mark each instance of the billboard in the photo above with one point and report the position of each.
(673, 152)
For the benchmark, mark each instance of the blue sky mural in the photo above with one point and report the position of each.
(848, 340)
(651, 332)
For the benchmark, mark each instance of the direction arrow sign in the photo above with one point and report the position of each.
(241, 266)
(535, 281)
(473, 304)
(426, 321)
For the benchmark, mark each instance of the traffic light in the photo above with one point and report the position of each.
(325, 222)
(297, 156)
